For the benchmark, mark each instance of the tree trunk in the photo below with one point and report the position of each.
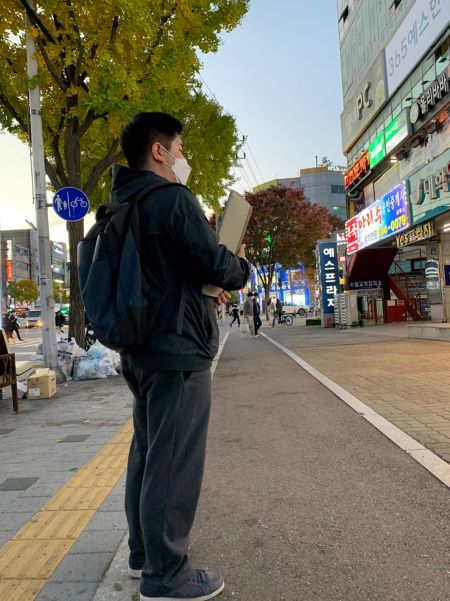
(76, 316)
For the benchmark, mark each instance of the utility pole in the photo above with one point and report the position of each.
(40, 202)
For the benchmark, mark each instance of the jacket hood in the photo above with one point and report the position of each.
(128, 182)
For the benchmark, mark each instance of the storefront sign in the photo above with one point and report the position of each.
(369, 284)
(397, 131)
(9, 262)
(365, 103)
(328, 273)
(377, 150)
(9, 270)
(419, 29)
(435, 92)
(351, 233)
(430, 189)
(359, 169)
(421, 232)
(383, 218)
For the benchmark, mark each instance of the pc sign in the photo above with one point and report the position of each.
(70, 204)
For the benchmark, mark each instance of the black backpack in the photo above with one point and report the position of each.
(119, 304)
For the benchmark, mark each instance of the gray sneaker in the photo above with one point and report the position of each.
(201, 586)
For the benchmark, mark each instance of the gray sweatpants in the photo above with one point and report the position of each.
(165, 471)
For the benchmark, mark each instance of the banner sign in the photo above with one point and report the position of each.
(416, 34)
(328, 274)
(383, 218)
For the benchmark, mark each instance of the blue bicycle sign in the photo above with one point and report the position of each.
(70, 204)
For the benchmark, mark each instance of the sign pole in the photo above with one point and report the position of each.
(40, 201)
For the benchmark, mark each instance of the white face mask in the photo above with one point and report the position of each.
(180, 168)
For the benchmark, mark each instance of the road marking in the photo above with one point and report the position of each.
(219, 352)
(429, 460)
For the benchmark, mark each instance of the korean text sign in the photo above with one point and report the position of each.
(429, 189)
(386, 216)
(329, 274)
(421, 26)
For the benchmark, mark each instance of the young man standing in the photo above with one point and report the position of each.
(170, 375)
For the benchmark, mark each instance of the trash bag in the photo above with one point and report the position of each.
(88, 369)
(69, 353)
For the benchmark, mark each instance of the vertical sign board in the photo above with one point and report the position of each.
(9, 262)
(329, 279)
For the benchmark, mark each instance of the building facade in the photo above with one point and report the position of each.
(321, 185)
(59, 262)
(396, 137)
(19, 259)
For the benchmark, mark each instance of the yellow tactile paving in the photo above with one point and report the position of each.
(32, 559)
(77, 498)
(33, 554)
(51, 525)
(96, 478)
(24, 590)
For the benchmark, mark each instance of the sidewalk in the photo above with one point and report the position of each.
(404, 380)
(302, 499)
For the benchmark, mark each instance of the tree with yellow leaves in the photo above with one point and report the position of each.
(99, 64)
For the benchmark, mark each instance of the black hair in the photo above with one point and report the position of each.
(143, 131)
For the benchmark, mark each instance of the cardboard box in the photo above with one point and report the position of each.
(41, 384)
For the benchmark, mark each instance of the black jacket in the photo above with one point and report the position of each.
(180, 253)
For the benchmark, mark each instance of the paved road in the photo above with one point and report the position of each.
(303, 500)
(27, 349)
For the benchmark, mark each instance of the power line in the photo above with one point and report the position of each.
(13, 161)
(254, 160)
(244, 138)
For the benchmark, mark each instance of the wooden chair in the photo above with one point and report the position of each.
(8, 374)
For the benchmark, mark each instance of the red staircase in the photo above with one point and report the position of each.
(410, 303)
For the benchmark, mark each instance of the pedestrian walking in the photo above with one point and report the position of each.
(257, 323)
(248, 313)
(278, 312)
(235, 315)
(14, 325)
(7, 326)
(170, 375)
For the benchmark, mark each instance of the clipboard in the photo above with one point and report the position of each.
(232, 230)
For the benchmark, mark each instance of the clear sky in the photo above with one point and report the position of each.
(278, 73)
